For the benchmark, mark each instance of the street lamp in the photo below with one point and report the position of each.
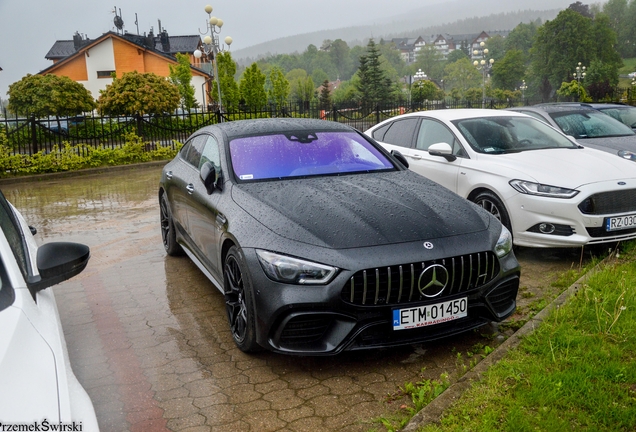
(523, 87)
(419, 75)
(212, 47)
(580, 73)
(484, 66)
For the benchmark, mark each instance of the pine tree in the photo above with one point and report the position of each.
(374, 85)
(325, 96)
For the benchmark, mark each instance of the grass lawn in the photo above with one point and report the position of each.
(577, 371)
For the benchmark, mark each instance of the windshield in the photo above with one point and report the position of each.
(626, 115)
(497, 135)
(590, 124)
(304, 153)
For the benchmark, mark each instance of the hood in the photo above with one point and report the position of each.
(570, 168)
(359, 210)
(610, 143)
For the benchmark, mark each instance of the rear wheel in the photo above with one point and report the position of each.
(493, 205)
(168, 235)
(238, 301)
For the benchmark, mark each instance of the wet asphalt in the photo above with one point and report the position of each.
(148, 337)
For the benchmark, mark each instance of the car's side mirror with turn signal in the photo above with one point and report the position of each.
(211, 178)
(442, 149)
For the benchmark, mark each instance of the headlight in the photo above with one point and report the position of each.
(282, 268)
(504, 244)
(526, 187)
(625, 154)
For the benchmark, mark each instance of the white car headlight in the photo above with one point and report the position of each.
(626, 154)
(530, 188)
(504, 243)
(282, 268)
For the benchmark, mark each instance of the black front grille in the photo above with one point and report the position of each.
(399, 284)
(620, 201)
(305, 329)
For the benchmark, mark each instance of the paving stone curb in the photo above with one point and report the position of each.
(432, 413)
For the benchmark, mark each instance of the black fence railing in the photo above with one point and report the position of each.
(31, 135)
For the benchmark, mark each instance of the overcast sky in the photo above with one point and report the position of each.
(29, 28)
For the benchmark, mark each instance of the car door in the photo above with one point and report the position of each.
(205, 222)
(443, 170)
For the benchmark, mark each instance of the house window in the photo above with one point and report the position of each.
(105, 74)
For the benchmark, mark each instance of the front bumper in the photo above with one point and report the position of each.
(573, 228)
(319, 320)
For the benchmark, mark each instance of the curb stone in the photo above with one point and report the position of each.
(432, 413)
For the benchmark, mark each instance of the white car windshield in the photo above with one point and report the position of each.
(303, 154)
(505, 134)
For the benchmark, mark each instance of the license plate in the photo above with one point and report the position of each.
(422, 316)
(620, 222)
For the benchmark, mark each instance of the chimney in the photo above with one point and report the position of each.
(165, 41)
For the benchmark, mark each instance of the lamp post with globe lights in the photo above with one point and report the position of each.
(580, 73)
(484, 66)
(212, 47)
(523, 87)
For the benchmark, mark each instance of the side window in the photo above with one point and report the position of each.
(378, 134)
(401, 132)
(196, 144)
(432, 132)
(211, 153)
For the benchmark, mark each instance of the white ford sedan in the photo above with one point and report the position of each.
(39, 389)
(548, 190)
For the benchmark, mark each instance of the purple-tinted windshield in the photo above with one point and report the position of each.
(279, 156)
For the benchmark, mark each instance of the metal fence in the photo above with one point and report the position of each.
(32, 135)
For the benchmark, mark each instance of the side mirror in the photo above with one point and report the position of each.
(442, 149)
(400, 157)
(57, 262)
(211, 178)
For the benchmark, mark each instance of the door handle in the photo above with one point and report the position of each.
(169, 175)
(220, 219)
(415, 156)
(190, 188)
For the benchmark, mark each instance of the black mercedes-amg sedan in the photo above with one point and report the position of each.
(320, 241)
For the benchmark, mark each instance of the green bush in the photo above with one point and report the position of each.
(77, 157)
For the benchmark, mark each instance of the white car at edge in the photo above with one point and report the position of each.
(548, 190)
(37, 382)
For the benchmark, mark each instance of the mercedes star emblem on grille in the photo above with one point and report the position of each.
(433, 280)
(428, 245)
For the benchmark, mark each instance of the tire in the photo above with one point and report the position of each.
(168, 234)
(493, 205)
(239, 302)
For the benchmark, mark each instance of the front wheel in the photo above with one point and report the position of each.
(493, 205)
(238, 301)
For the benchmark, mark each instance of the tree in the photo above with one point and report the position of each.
(496, 47)
(373, 85)
(324, 101)
(560, 44)
(620, 21)
(138, 93)
(339, 54)
(425, 90)
(581, 8)
(508, 72)
(181, 76)
(573, 90)
(430, 61)
(252, 87)
(461, 76)
(521, 37)
(44, 95)
(226, 67)
(279, 87)
(455, 55)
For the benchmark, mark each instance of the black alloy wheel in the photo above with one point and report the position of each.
(168, 235)
(238, 302)
(493, 205)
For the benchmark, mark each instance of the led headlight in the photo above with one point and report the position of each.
(286, 269)
(504, 243)
(530, 188)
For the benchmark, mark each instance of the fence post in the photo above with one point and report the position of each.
(139, 125)
(334, 112)
(34, 137)
(377, 114)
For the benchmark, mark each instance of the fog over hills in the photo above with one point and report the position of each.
(456, 17)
